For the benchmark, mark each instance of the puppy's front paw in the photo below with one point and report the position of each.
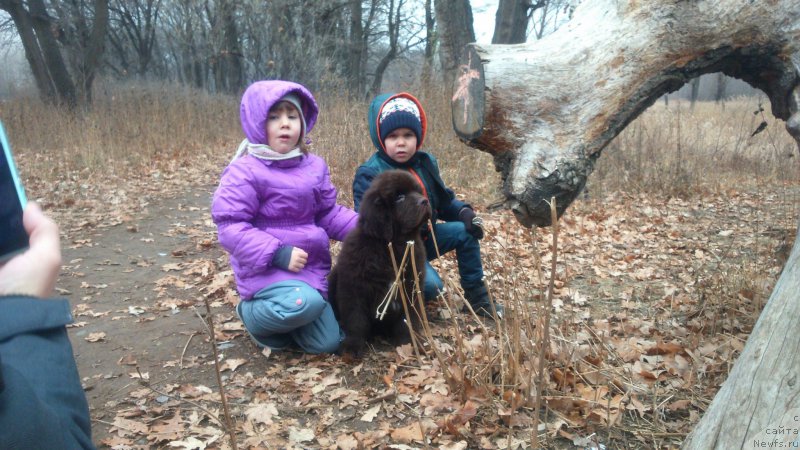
(400, 335)
(352, 349)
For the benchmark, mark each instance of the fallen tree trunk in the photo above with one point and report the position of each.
(546, 110)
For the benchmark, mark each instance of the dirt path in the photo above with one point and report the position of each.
(109, 276)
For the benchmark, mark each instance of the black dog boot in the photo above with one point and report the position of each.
(478, 298)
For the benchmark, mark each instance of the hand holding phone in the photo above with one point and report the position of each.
(13, 237)
(35, 271)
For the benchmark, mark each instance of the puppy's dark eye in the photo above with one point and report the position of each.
(400, 198)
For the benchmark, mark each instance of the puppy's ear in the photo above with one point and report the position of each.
(375, 218)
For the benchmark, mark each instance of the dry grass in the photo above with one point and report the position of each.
(139, 130)
(130, 131)
(681, 151)
(671, 150)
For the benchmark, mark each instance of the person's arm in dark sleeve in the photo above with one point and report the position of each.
(361, 182)
(42, 403)
(449, 206)
(450, 213)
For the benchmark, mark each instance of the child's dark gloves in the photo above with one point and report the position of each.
(472, 223)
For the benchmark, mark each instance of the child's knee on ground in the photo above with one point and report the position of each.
(282, 308)
(323, 335)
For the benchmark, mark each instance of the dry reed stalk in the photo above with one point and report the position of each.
(423, 314)
(398, 286)
(545, 342)
(223, 397)
(466, 303)
(458, 339)
(147, 384)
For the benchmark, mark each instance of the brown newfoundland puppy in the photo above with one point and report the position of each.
(393, 210)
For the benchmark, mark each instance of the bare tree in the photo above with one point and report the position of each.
(307, 42)
(511, 20)
(551, 16)
(454, 21)
(393, 35)
(41, 50)
(546, 131)
(226, 62)
(185, 30)
(84, 27)
(48, 32)
(430, 43)
(722, 85)
(358, 48)
(220, 45)
(694, 91)
(36, 57)
(132, 35)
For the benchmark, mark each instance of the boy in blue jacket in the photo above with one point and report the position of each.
(397, 126)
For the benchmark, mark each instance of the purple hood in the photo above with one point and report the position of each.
(261, 96)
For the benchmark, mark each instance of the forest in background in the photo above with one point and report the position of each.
(220, 46)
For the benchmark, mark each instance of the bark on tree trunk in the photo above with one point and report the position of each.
(546, 110)
(430, 44)
(22, 22)
(454, 22)
(42, 52)
(234, 76)
(56, 66)
(695, 91)
(94, 50)
(227, 65)
(355, 58)
(511, 20)
(722, 84)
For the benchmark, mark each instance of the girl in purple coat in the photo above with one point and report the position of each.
(275, 210)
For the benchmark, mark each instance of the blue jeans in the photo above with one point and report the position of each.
(453, 236)
(291, 312)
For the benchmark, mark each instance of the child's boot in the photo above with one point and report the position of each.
(478, 298)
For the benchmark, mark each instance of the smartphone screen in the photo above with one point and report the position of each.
(13, 238)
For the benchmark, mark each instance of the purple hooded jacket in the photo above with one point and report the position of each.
(261, 205)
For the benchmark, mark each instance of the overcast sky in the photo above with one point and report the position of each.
(483, 12)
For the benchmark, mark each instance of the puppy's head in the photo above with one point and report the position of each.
(393, 208)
